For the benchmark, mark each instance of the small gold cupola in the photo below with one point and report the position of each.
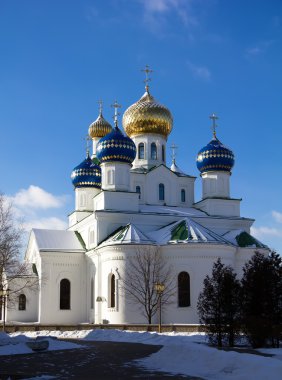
(100, 127)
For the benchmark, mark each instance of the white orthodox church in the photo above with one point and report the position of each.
(128, 199)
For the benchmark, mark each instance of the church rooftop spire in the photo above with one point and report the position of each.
(147, 71)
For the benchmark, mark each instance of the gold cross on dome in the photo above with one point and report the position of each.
(116, 106)
(213, 117)
(147, 71)
(173, 148)
(100, 102)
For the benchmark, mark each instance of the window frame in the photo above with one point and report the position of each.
(161, 192)
(184, 289)
(183, 195)
(22, 302)
(65, 294)
(154, 151)
(141, 151)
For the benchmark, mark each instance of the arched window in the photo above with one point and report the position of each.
(112, 291)
(163, 153)
(138, 190)
(141, 154)
(92, 294)
(153, 151)
(65, 294)
(161, 192)
(22, 302)
(183, 195)
(184, 289)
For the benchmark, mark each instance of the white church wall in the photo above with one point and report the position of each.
(138, 179)
(84, 198)
(197, 261)
(219, 207)
(30, 313)
(121, 201)
(76, 216)
(56, 267)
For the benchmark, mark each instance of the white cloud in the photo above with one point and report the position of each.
(155, 11)
(277, 216)
(37, 198)
(258, 49)
(32, 207)
(52, 223)
(201, 72)
(261, 232)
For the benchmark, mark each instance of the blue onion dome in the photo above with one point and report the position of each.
(87, 174)
(100, 127)
(116, 147)
(215, 157)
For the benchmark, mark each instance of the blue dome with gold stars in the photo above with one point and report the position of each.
(87, 174)
(116, 147)
(215, 157)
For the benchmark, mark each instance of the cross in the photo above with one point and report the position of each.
(147, 70)
(213, 117)
(116, 106)
(100, 102)
(173, 155)
(87, 139)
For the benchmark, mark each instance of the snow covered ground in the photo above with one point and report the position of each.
(181, 353)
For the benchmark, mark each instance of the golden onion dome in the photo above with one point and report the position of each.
(100, 127)
(147, 116)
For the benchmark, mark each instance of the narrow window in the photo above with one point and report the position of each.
(112, 292)
(141, 151)
(65, 293)
(183, 196)
(92, 294)
(161, 192)
(183, 289)
(82, 200)
(138, 190)
(110, 177)
(163, 153)
(22, 302)
(153, 151)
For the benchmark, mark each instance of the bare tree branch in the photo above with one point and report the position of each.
(144, 269)
(14, 274)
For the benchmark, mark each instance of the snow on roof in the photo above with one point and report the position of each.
(180, 211)
(242, 238)
(129, 234)
(57, 240)
(186, 231)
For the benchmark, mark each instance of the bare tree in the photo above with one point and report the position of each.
(15, 274)
(146, 268)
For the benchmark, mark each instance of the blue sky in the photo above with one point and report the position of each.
(59, 57)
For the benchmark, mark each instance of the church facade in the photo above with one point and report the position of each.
(127, 200)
